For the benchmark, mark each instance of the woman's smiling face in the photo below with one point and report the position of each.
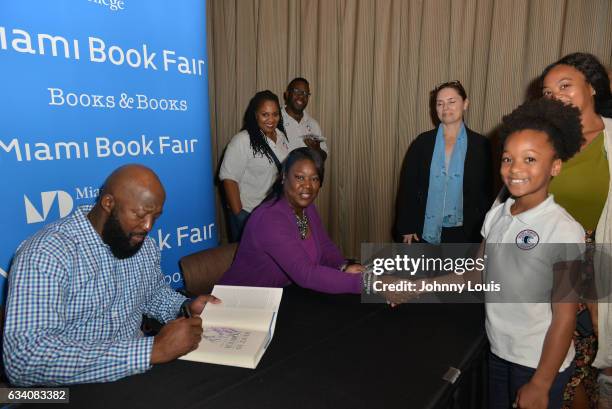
(301, 185)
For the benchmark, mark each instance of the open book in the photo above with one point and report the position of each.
(237, 331)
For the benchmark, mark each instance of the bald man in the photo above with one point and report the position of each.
(78, 289)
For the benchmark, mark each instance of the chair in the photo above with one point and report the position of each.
(202, 270)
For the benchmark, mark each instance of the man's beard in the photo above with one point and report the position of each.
(118, 241)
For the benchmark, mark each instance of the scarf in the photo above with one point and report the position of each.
(445, 193)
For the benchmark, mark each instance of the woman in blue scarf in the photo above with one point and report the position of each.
(445, 185)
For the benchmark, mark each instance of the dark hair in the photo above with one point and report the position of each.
(433, 96)
(456, 85)
(295, 80)
(294, 156)
(559, 121)
(249, 123)
(595, 74)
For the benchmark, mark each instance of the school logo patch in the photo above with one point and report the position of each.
(527, 239)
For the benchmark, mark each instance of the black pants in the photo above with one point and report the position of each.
(505, 379)
(453, 235)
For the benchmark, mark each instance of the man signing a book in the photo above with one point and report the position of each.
(79, 287)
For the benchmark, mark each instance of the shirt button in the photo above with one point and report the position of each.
(114, 314)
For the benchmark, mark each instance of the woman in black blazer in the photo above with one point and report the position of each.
(463, 186)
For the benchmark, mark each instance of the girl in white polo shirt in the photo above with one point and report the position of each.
(531, 343)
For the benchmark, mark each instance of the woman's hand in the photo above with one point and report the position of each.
(531, 396)
(409, 238)
(354, 268)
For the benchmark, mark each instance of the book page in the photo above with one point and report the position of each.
(238, 331)
(251, 308)
(260, 298)
(230, 346)
(251, 320)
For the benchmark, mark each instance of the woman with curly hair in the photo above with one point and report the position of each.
(583, 189)
(253, 159)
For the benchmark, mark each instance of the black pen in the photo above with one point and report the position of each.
(185, 311)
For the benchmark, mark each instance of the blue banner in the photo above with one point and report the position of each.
(89, 85)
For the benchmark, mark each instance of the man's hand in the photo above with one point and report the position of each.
(532, 396)
(197, 305)
(311, 143)
(354, 268)
(316, 145)
(399, 297)
(176, 338)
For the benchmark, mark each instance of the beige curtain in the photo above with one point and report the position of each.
(371, 65)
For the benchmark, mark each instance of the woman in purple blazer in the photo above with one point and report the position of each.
(284, 241)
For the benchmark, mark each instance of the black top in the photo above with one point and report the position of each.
(414, 185)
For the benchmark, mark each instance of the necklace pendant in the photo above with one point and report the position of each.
(302, 224)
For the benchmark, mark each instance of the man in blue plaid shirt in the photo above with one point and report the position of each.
(78, 289)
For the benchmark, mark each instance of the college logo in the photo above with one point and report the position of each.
(113, 5)
(527, 239)
(47, 199)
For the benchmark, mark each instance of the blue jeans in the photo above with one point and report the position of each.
(236, 224)
(506, 378)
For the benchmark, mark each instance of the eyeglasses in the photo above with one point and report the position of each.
(299, 92)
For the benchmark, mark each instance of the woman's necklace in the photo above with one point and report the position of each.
(302, 224)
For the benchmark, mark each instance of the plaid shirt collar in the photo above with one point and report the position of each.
(85, 231)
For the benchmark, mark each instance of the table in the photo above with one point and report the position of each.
(328, 351)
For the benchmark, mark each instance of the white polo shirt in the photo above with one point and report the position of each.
(519, 250)
(254, 174)
(296, 130)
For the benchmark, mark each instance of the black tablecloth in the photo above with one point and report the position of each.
(328, 351)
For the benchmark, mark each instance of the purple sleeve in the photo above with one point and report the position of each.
(281, 243)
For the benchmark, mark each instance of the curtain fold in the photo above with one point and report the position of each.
(371, 65)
